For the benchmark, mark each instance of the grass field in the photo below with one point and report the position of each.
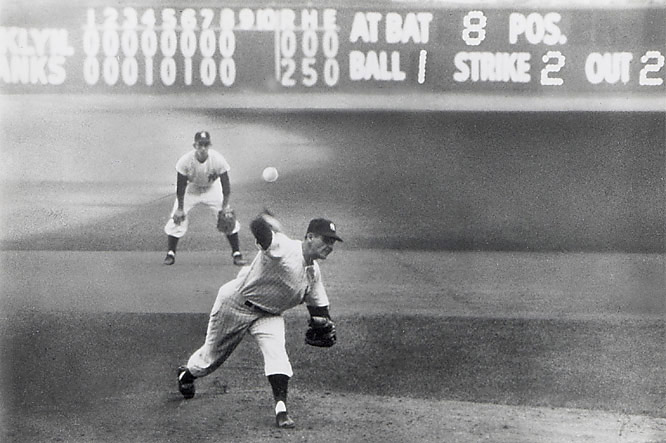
(501, 278)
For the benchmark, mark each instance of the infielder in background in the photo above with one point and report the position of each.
(203, 178)
(284, 274)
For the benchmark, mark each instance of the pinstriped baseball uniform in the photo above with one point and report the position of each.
(277, 279)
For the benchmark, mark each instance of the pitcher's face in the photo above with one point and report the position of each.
(320, 246)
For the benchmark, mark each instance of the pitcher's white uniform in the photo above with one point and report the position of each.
(203, 187)
(277, 279)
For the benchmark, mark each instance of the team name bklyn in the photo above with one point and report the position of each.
(33, 56)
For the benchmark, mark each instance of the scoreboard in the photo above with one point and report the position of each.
(213, 47)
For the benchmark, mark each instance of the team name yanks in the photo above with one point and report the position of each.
(33, 56)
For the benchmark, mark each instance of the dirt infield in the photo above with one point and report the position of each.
(110, 377)
(412, 364)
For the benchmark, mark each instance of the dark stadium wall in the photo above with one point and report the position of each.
(504, 181)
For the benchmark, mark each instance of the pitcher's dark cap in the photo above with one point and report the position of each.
(323, 227)
(202, 137)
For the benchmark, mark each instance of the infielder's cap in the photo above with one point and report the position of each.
(202, 137)
(323, 227)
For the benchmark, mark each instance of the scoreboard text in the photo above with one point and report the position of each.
(268, 49)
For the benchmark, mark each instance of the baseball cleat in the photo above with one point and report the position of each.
(170, 258)
(238, 259)
(282, 420)
(185, 382)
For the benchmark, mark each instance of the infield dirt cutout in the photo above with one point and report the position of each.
(86, 367)
(370, 418)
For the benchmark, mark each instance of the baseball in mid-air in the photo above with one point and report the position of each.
(270, 174)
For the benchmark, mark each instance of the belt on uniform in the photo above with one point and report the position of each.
(249, 304)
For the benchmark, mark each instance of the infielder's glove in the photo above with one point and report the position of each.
(226, 220)
(320, 333)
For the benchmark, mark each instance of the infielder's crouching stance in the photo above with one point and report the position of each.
(203, 178)
(284, 274)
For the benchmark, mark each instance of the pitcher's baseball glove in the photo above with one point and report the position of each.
(321, 332)
(226, 220)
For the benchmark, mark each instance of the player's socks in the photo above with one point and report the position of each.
(234, 242)
(280, 407)
(172, 243)
(280, 385)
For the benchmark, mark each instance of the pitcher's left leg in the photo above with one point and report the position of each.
(269, 332)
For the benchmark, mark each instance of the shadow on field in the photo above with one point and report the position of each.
(91, 372)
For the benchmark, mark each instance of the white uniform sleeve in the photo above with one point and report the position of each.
(220, 164)
(280, 246)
